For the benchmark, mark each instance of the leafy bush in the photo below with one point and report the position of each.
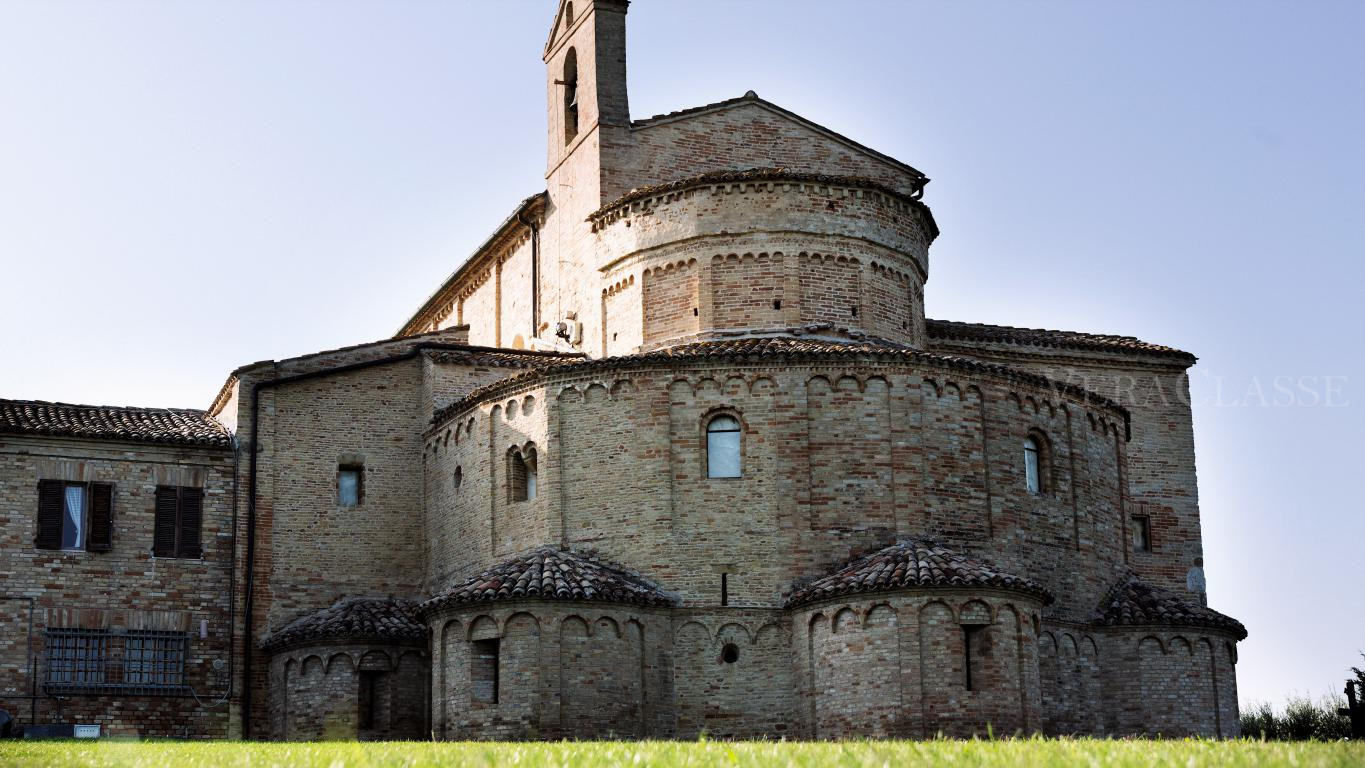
(1302, 720)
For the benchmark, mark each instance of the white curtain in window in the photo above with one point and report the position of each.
(530, 481)
(722, 447)
(73, 535)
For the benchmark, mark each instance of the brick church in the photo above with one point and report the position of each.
(674, 451)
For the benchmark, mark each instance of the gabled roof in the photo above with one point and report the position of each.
(1133, 602)
(167, 426)
(945, 330)
(909, 564)
(753, 99)
(383, 620)
(549, 573)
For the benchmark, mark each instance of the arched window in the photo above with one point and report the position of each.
(1037, 464)
(1031, 464)
(521, 474)
(722, 446)
(570, 95)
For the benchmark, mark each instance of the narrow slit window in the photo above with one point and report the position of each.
(722, 447)
(1031, 464)
(484, 674)
(972, 654)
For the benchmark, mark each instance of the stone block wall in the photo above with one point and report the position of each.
(897, 666)
(581, 671)
(1171, 683)
(1159, 475)
(365, 691)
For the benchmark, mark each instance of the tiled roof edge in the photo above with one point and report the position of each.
(951, 330)
(765, 175)
(966, 364)
(210, 434)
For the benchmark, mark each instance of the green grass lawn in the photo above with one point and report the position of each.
(889, 754)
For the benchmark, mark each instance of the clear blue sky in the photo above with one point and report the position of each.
(186, 187)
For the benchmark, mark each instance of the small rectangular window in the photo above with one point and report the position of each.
(350, 485)
(484, 672)
(1142, 533)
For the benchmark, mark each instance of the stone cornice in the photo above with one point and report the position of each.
(760, 180)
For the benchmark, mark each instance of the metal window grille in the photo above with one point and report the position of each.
(122, 661)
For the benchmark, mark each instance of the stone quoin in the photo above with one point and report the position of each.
(675, 451)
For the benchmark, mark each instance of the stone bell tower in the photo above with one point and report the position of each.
(588, 145)
(588, 114)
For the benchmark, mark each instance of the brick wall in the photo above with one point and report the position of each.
(117, 590)
(315, 690)
(1160, 477)
(750, 135)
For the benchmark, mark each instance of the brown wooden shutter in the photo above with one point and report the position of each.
(163, 529)
(191, 516)
(49, 514)
(101, 537)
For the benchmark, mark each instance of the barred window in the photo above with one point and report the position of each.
(76, 657)
(104, 660)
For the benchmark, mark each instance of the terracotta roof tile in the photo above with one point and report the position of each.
(548, 573)
(913, 563)
(383, 620)
(1133, 602)
(945, 330)
(172, 426)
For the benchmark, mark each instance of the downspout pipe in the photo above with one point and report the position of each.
(535, 271)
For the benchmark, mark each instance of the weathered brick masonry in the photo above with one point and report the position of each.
(675, 451)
